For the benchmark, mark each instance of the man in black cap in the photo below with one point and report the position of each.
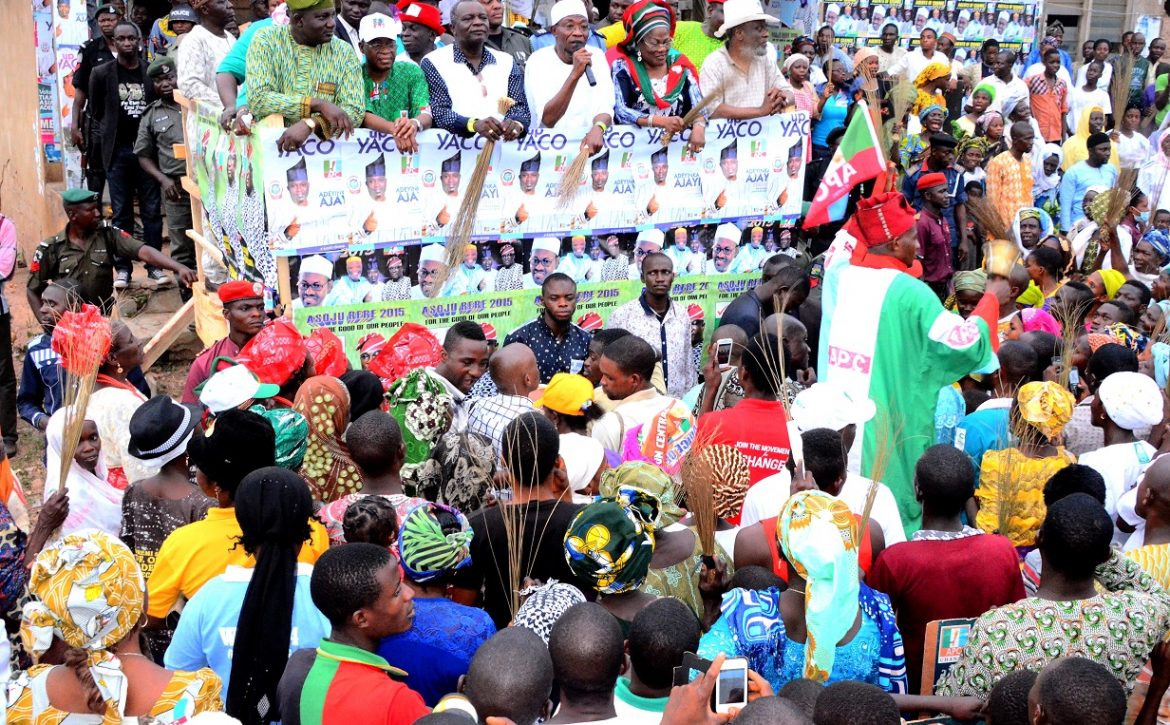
(160, 129)
(940, 158)
(94, 52)
(119, 94)
(363, 212)
(85, 251)
(446, 203)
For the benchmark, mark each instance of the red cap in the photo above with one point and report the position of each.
(927, 181)
(240, 290)
(881, 218)
(590, 321)
(370, 344)
(425, 15)
(489, 330)
(694, 312)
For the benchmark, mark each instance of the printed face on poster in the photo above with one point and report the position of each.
(1012, 24)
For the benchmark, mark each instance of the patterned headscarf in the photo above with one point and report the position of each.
(730, 477)
(972, 142)
(89, 592)
(932, 72)
(425, 551)
(324, 402)
(634, 479)
(1046, 406)
(545, 605)
(1160, 241)
(932, 107)
(609, 545)
(422, 407)
(292, 434)
(819, 536)
(1111, 278)
(459, 472)
(972, 281)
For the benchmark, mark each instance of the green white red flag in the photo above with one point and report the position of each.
(858, 158)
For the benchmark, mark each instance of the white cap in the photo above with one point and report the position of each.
(738, 12)
(316, 264)
(546, 244)
(654, 236)
(728, 231)
(582, 456)
(830, 405)
(232, 387)
(378, 25)
(433, 253)
(566, 9)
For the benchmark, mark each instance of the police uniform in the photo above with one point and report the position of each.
(91, 266)
(159, 129)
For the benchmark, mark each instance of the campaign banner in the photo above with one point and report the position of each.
(971, 22)
(362, 193)
(70, 28)
(506, 311)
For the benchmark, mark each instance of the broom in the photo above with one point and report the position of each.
(460, 234)
(692, 115)
(988, 219)
(82, 340)
(572, 178)
(889, 435)
(1120, 198)
(901, 97)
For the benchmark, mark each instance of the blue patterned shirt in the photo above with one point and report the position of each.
(553, 354)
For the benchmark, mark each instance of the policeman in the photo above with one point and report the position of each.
(85, 251)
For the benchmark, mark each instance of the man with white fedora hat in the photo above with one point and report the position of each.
(751, 83)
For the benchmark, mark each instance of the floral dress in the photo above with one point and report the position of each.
(1009, 479)
(681, 580)
(186, 695)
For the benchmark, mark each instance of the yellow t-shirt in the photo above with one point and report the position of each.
(195, 553)
(613, 34)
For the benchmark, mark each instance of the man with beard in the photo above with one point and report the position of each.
(724, 248)
(559, 345)
(243, 308)
(315, 282)
(397, 284)
(353, 288)
(431, 262)
(576, 264)
(543, 261)
(446, 203)
(324, 95)
(697, 40)
(421, 24)
(510, 275)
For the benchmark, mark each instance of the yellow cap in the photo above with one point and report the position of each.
(567, 394)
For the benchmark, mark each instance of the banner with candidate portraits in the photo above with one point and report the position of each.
(1013, 24)
(363, 193)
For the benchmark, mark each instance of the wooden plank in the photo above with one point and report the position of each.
(206, 246)
(192, 188)
(165, 337)
(283, 282)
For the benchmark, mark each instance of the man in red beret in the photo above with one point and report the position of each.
(934, 233)
(243, 308)
(421, 25)
(885, 336)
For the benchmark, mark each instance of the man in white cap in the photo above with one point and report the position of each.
(752, 256)
(649, 242)
(314, 282)
(829, 405)
(569, 85)
(577, 263)
(750, 82)
(542, 261)
(724, 247)
(234, 387)
(432, 261)
(680, 252)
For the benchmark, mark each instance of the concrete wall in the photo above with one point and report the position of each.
(26, 197)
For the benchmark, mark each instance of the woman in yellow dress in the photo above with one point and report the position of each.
(1011, 481)
(89, 592)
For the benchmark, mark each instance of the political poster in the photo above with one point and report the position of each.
(1012, 24)
(70, 28)
(363, 193)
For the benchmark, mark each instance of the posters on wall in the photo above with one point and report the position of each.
(46, 81)
(70, 30)
(1013, 24)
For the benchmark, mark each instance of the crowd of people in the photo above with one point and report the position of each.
(957, 410)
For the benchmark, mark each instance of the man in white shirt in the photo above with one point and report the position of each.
(1008, 86)
(577, 262)
(750, 85)
(916, 60)
(348, 20)
(627, 365)
(569, 85)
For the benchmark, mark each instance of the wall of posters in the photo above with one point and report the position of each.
(363, 193)
(70, 29)
(1013, 24)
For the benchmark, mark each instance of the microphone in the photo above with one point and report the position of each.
(589, 75)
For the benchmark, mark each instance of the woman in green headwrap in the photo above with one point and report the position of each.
(610, 545)
(969, 288)
(656, 85)
(849, 631)
(981, 99)
(422, 407)
(678, 555)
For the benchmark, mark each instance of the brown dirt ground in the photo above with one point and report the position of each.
(166, 378)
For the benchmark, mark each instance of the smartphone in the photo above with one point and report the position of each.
(723, 352)
(731, 689)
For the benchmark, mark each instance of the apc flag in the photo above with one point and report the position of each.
(859, 158)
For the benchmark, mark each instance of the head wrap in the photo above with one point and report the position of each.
(729, 475)
(545, 605)
(1031, 296)
(1042, 182)
(88, 591)
(459, 471)
(1124, 335)
(1037, 319)
(1160, 356)
(1160, 241)
(972, 142)
(324, 401)
(819, 536)
(1111, 277)
(609, 545)
(422, 407)
(583, 456)
(365, 392)
(974, 281)
(1031, 212)
(1132, 400)
(933, 106)
(986, 119)
(1046, 406)
(641, 18)
(93, 501)
(292, 434)
(932, 72)
(792, 59)
(426, 552)
(633, 481)
(985, 88)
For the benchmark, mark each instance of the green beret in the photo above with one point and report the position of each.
(296, 6)
(160, 66)
(79, 196)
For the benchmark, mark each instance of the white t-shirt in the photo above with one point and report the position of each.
(544, 76)
(1079, 99)
(767, 496)
(1121, 465)
(1133, 151)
